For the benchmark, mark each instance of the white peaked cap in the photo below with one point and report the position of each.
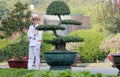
(35, 15)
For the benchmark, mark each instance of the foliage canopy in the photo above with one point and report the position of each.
(17, 20)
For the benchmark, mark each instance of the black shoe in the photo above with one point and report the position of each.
(113, 66)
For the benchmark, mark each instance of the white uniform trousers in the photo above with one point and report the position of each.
(34, 56)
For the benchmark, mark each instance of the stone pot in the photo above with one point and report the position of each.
(116, 61)
(60, 60)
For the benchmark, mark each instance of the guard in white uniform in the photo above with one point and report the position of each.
(35, 39)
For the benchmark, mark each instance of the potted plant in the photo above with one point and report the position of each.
(17, 21)
(60, 58)
(109, 16)
(112, 44)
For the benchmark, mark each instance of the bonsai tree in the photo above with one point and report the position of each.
(60, 59)
(17, 21)
(59, 8)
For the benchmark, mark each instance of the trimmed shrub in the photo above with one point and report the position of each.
(16, 50)
(47, 73)
(11, 50)
(46, 47)
(3, 44)
(111, 43)
(89, 50)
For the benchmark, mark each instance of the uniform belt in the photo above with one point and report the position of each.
(39, 40)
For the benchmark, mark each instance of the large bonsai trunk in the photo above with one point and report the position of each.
(60, 47)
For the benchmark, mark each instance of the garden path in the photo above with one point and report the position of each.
(104, 68)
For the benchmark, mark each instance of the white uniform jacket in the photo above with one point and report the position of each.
(35, 36)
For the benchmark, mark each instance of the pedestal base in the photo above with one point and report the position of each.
(60, 67)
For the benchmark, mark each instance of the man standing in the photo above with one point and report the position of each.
(35, 39)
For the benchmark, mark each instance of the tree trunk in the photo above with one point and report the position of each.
(60, 47)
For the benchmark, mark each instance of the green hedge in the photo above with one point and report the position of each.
(14, 72)
(13, 50)
(89, 50)
(2, 37)
(3, 43)
(46, 47)
(47, 73)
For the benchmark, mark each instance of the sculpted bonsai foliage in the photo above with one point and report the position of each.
(60, 8)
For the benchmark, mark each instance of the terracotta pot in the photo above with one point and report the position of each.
(110, 57)
(18, 63)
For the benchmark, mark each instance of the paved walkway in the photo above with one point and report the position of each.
(104, 68)
(94, 70)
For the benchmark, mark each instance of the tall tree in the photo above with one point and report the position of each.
(3, 8)
(36, 2)
(109, 16)
(3, 11)
(17, 20)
